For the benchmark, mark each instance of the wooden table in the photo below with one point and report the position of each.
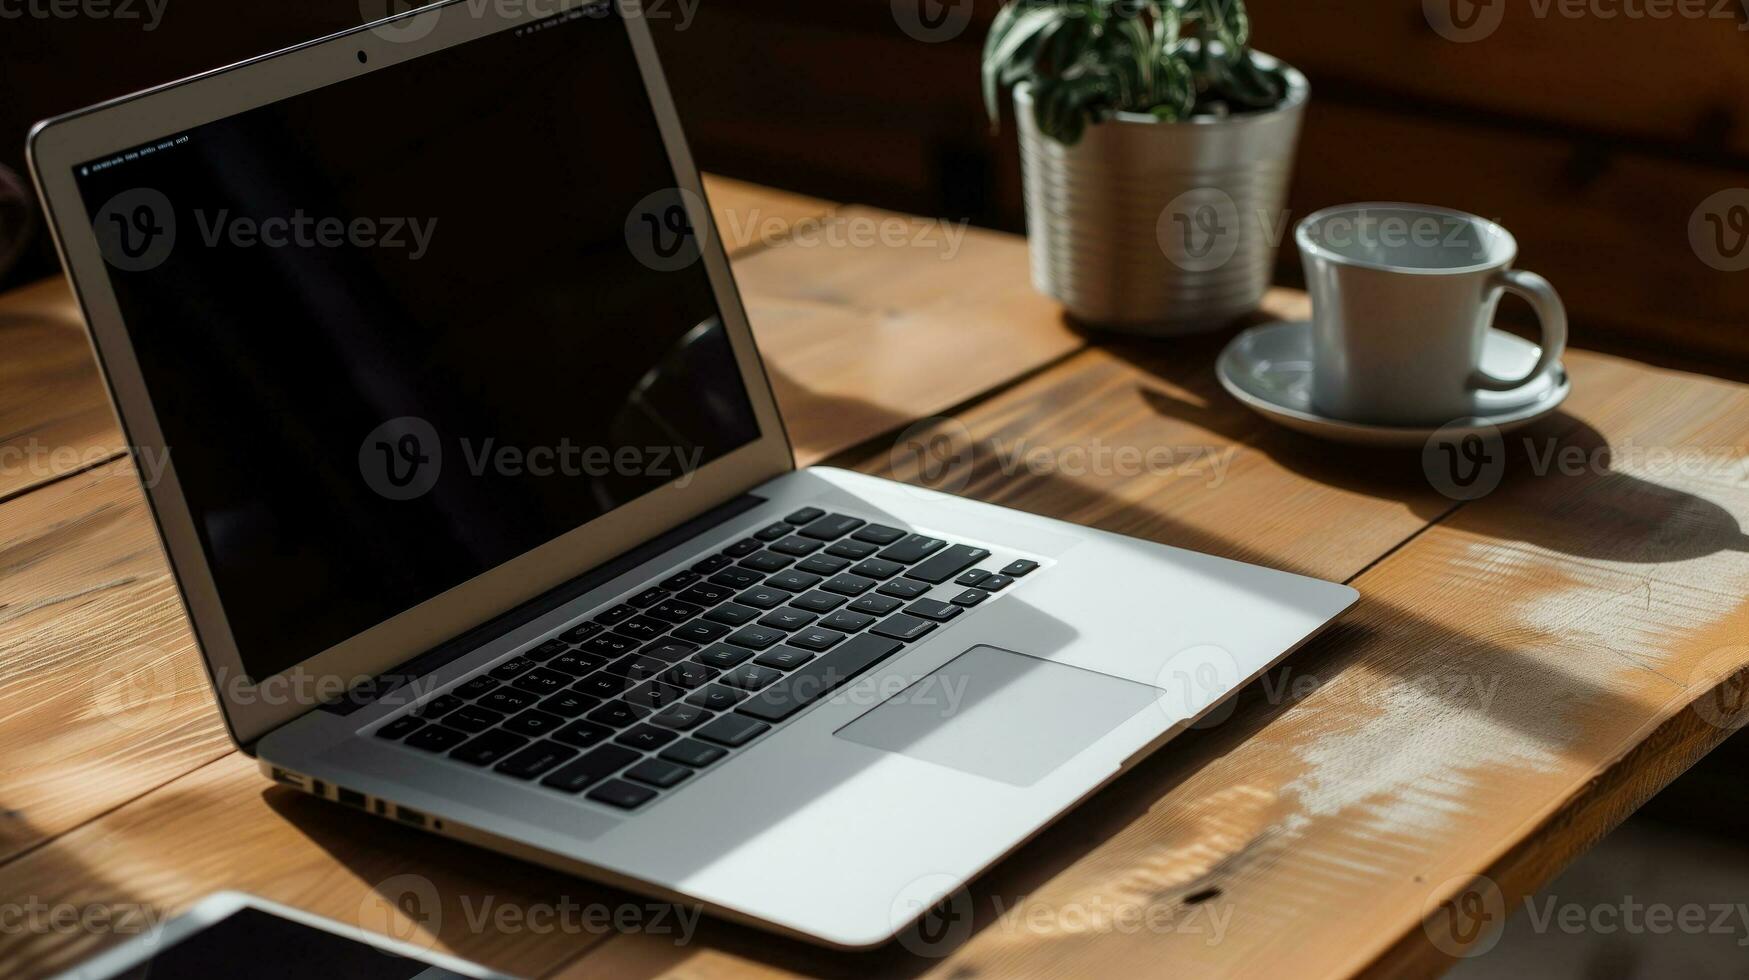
(1523, 670)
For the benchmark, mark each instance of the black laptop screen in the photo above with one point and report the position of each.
(402, 329)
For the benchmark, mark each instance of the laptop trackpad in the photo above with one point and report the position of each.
(1000, 714)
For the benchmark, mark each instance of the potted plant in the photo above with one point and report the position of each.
(1156, 148)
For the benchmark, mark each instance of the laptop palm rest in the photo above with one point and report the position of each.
(999, 714)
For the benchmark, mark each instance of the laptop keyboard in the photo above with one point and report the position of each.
(639, 696)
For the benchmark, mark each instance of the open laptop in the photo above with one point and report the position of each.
(478, 500)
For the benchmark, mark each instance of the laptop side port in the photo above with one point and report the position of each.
(351, 797)
(410, 815)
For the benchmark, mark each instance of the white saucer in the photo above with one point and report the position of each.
(1269, 368)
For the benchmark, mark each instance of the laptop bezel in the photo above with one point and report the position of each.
(253, 707)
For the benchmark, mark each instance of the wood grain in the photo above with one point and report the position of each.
(54, 413)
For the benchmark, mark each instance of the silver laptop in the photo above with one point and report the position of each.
(478, 500)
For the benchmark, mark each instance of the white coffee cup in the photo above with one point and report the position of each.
(1402, 298)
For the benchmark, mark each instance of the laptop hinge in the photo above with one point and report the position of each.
(448, 652)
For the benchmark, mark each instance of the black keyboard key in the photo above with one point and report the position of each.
(699, 631)
(688, 675)
(788, 620)
(644, 627)
(830, 527)
(1019, 567)
(853, 550)
(691, 752)
(877, 568)
(878, 605)
(658, 773)
(637, 667)
(970, 597)
(972, 576)
(473, 718)
(674, 611)
(807, 515)
(816, 639)
(645, 738)
(793, 581)
(784, 658)
(508, 699)
(488, 747)
(766, 561)
(913, 547)
(716, 697)
(673, 651)
(772, 532)
(879, 534)
(710, 563)
(761, 597)
(404, 725)
(602, 685)
(996, 583)
(648, 597)
(813, 681)
(616, 714)
(733, 731)
(611, 644)
(847, 620)
(817, 601)
(583, 734)
(619, 793)
(848, 584)
(902, 627)
(737, 578)
(534, 760)
(476, 687)
(438, 706)
(568, 704)
(541, 681)
(679, 580)
(749, 677)
(903, 588)
(576, 663)
(534, 723)
(947, 563)
(934, 609)
(733, 614)
(548, 650)
(655, 695)
(510, 668)
(679, 717)
(580, 774)
(796, 546)
(755, 637)
(581, 632)
(706, 594)
(822, 565)
(742, 548)
(617, 614)
(723, 656)
(436, 738)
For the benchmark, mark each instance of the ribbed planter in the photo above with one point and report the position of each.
(1160, 228)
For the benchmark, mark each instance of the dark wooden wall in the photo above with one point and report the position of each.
(1593, 138)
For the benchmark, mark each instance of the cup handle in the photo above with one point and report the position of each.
(1549, 312)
